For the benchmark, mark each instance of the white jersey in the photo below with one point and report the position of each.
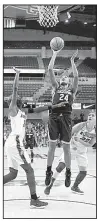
(85, 136)
(18, 124)
(79, 143)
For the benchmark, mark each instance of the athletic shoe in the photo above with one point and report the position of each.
(48, 178)
(77, 190)
(48, 188)
(68, 178)
(37, 203)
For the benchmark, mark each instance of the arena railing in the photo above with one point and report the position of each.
(24, 78)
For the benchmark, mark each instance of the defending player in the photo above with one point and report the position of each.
(60, 118)
(16, 153)
(83, 136)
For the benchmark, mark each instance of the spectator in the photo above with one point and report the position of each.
(82, 116)
(75, 119)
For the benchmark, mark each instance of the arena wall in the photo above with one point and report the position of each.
(38, 35)
(47, 53)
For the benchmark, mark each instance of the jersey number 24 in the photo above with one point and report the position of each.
(63, 97)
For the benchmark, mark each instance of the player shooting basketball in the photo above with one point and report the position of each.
(60, 118)
(83, 136)
(16, 153)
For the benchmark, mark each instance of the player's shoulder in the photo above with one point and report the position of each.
(72, 90)
(80, 125)
(56, 87)
(13, 112)
(19, 114)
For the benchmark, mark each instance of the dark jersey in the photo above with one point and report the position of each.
(29, 136)
(63, 95)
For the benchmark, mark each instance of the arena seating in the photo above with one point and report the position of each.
(88, 92)
(91, 62)
(86, 67)
(83, 68)
(40, 44)
(24, 78)
(60, 62)
(29, 87)
(26, 44)
(26, 89)
(25, 62)
(47, 96)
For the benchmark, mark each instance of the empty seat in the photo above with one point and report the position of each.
(25, 62)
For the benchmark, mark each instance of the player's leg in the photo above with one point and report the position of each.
(12, 164)
(23, 160)
(67, 159)
(82, 164)
(29, 145)
(80, 177)
(35, 202)
(32, 155)
(53, 135)
(50, 158)
(58, 170)
(26, 146)
(66, 128)
(10, 176)
(31, 151)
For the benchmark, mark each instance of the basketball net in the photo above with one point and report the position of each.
(48, 15)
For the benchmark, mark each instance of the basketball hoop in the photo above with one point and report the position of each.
(48, 15)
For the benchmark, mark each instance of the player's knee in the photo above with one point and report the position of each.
(83, 168)
(84, 173)
(66, 148)
(52, 146)
(13, 172)
(60, 167)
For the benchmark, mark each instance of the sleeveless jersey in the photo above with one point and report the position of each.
(29, 135)
(18, 124)
(85, 136)
(63, 95)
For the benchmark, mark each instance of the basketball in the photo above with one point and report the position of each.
(57, 43)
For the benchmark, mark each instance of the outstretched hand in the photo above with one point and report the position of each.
(74, 55)
(55, 52)
(16, 70)
(61, 104)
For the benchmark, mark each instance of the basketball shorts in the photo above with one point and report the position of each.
(16, 153)
(29, 144)
(60, 126)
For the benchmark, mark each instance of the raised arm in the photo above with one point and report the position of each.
(13, 104)
(75, 72)
(77, 127)
(50, 70)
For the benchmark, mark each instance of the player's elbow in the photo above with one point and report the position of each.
(50, 70)
(15, 87)
(75, 73)
(11, 107)
(54, 85)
